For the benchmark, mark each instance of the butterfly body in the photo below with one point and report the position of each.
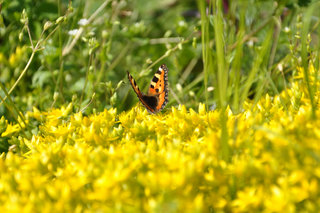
(157, 97)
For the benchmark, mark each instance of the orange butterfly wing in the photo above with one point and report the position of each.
(157, 96)
(143, 98)
(159, 87)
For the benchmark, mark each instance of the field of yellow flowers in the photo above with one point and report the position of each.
(169, 162)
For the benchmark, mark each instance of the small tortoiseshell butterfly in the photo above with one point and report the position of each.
(157, 97)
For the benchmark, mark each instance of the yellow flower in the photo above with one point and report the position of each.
(171, 161)
(16, 57)
(278, 201)
(10, 130)
(249, 198)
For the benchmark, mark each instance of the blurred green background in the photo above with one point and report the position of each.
(130, 35)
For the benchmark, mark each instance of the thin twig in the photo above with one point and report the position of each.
(175, 96)
(20, 77)
(167, 53)
(34, 50)
(68, 48)
(92, 98)
(165, 40)
(28, 30)
(86, 81)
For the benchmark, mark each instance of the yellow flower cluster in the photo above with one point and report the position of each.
(169, 162)
(14, 58)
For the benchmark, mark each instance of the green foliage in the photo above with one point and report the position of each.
(86, 44)
(121, 36)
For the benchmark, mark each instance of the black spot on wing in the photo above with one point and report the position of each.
(151, 101)
(155, 79)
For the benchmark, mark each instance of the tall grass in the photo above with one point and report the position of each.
(225, 47)
(222, 58)
(305, 50)
(212, 25)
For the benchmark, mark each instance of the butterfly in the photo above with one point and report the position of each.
(157, 97)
